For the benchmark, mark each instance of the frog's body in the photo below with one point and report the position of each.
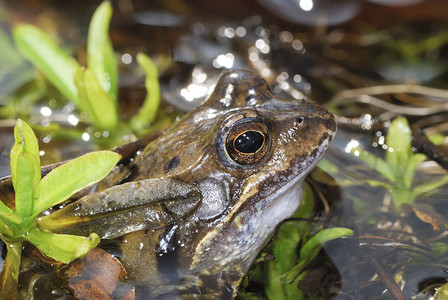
(237, 162)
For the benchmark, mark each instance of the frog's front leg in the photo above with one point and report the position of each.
(132, 206)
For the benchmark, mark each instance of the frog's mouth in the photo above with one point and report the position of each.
(295, 173)
(251, 222)
(263, 215)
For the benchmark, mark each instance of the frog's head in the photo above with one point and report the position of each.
(263, 147)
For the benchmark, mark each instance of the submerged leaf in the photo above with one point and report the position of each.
(430, 187)
(375, 163)
(62, 182)
(100, 53)
(398, 141)
(312, 247)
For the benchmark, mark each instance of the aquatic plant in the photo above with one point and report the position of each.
(399, 166)
(296, 243)
(93, 89)
(34, 194)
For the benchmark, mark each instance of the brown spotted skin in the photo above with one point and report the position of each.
(207, 254)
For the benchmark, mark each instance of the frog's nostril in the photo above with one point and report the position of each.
(298, 120)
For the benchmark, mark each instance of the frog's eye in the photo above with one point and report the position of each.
(247, 142)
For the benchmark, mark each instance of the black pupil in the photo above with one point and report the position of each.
(249, 142)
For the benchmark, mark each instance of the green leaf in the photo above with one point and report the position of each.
(9, 223)
(95, 100)
(285, 248)
(100, 53)
(442, 292)
(274, 287)
(24, 186)
(57, 66)
(296, 273)
(398, 141)
(436, 138)
(10, 218)
(25, 142)
(64, 181)
(375, 163)
(414, 160)
(312, 247)
(328, 166)
(306, 207)
(429, 187)
(4, 208)
(62, 247)
(25, 168)
(293, 292)
(148, 111)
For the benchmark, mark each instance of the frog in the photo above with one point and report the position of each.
(192, 210)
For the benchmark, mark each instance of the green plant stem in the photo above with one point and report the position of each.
(10, 274)
(402, 196)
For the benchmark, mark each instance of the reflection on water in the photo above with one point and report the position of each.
(314, 12)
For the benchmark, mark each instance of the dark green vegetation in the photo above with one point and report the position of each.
(34, 195)
(93, 89)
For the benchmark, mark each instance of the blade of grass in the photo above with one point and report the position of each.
(100, 53)
(95, 100)
(57, 66)
(148, 111)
